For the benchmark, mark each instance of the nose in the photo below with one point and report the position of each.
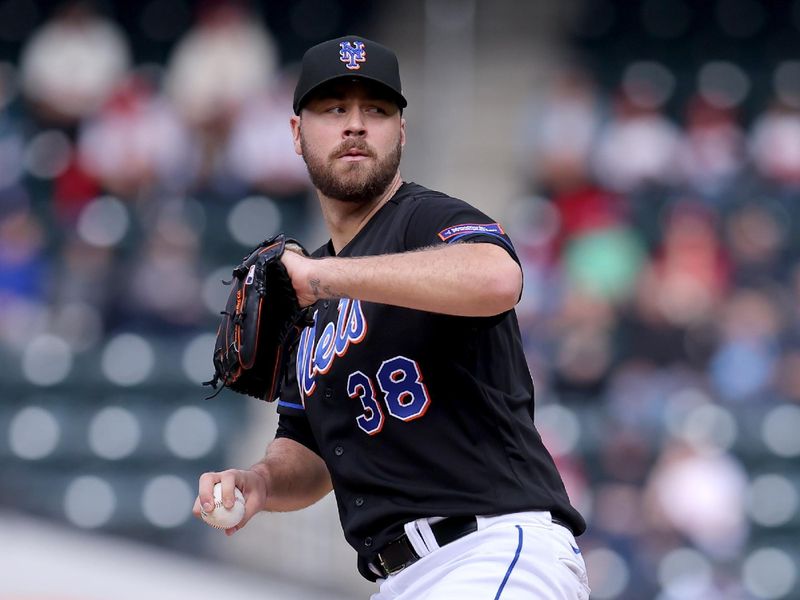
(355, 126)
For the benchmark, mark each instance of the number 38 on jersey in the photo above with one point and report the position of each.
(404, 393)
(396, 389)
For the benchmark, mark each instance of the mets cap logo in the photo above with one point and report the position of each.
(352, 54)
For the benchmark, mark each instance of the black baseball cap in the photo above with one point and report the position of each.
(351, 56)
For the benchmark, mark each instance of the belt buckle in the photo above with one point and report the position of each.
(386, 569)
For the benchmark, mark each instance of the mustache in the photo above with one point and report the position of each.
(348, 145)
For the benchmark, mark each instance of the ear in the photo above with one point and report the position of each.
(402, 131)
(294, 122)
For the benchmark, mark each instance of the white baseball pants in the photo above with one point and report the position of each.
(510, 557)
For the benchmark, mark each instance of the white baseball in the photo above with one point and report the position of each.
(221, 517)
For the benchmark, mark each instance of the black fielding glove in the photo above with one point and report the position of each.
(261, 323)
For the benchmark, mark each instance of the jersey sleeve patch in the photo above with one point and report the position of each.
(458, 231)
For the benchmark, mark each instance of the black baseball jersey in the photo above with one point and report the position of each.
(418, 414)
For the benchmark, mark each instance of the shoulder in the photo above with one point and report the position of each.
(413, 197)
(433, 217)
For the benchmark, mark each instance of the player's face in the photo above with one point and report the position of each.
(350, 137)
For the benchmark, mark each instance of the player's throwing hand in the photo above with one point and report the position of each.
(252, 485)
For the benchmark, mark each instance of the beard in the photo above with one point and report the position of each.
(357, 182)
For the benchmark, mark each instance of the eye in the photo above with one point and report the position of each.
(376, 110)
(336, 110)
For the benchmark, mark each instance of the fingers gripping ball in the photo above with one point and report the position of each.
(221, 517)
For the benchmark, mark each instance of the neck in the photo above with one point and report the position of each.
(345, 219)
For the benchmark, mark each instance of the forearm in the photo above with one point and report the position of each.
(295, 477)
(462, 279)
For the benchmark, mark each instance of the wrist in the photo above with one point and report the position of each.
(262, 471)
(325, 278)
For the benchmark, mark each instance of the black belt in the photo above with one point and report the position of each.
(399, 554)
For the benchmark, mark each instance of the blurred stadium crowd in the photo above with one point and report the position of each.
(662, 248)
(660, 238)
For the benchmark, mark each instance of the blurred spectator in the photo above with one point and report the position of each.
(160, 294)
(627, 455)
(775, 144)
(712, 150)
(638, 393)
(72, 189)
(24, 270)
(136, 144)
(690, 271)
(219, 65)
(618, 510)
(638, 146)
(605, 262)
(224, 60)
(699, 492)
(260, 151)
(677, 292)
(69, 66)
(561, 132)
(756, 237)
(582, 352)
(745, 361)
(85, 274)
(22, 261)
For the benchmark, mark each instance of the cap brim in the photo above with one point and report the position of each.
(398, 97)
